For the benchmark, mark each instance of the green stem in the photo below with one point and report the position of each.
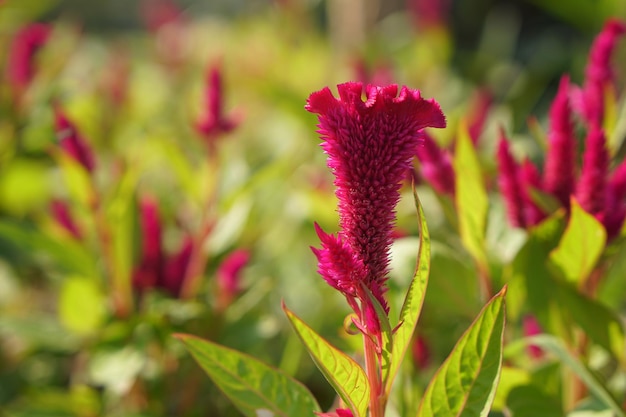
(377, 406)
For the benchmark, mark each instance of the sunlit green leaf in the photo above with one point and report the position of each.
(465, 385)
(413, 301)
(471, 197)
(254, 388)
(343, 373)
(581, 245)
(81, 304)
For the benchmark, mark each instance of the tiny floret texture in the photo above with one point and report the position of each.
(370, 146)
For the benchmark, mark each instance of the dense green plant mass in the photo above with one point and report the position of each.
(162, 185)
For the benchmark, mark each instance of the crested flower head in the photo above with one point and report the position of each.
(340, 412)
(370, 145)
(559, 172)
(511, 184)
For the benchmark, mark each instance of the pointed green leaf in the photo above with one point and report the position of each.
(341, 371)
(465, 385)
(554, 345)
(580, 247)
(413, 301)
(470, 198)
(254, 388)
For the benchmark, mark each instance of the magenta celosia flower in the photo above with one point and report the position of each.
(559, 171)
(62, 215)
(175, 268)
(213, 122)
(591, 187)
(516, 182)
(615, 208)
(340, 412)
(436, 166)
(421, 353)
(72, 142)
(429, 13)
(159, 13)
(370, 146)
(531, 327)
(511, 184)
(531, 180)
(599, 75)
(26, 42)
(148, 273)
(229, 272)
(157, 269)
(481, 103)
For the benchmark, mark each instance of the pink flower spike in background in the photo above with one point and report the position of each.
(591, 187)
(229, 274)
(436, 166)
(148, 274)
(511, 184)
(370, 146)
(559, 170)
(599, 75)
(72, 142)
(61, 213)
(531, 328)
(27, 41)
(212, 122)
(340, 412)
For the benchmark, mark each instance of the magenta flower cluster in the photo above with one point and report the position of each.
(370, 146)
(598, 190)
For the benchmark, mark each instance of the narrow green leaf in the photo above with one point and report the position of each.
(341, 371)
(470, 198)
(554, 345)
(254, 388)
(465, 385)
(413, 301)
(580, 247)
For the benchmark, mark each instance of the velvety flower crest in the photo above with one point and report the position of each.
(370, 145)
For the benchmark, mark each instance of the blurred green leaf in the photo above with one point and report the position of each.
(77, 179)
(81, 305)
(465, 385)
(510, 378)
(23, 186)
(471, 197)
(70, 256)
(601, 324)
(254, 388)
(530, 401)
(580, 247)
(343, 373)
(597, 388)
(529, 270)
(413, 301)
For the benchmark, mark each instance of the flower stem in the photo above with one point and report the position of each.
(377, 406)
